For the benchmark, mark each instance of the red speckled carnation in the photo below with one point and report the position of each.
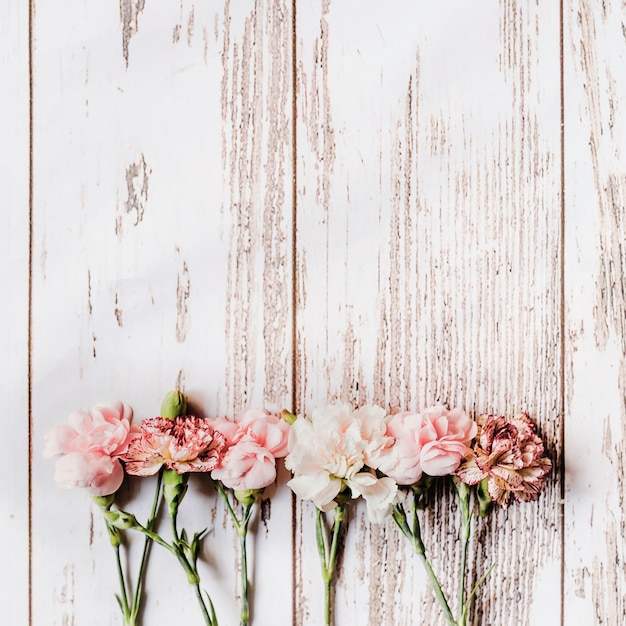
(184, 444)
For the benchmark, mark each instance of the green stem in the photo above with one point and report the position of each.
(462, 611)
(245, 603)
(481, 580)
(115, 539)
(120, 574)
(190, 568)
(414, 534)
(208, 620)
(146, 548)
(328, 556)
(241, 527)
(464, 496)
(178, 550)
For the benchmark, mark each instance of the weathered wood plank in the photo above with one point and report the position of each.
(161, 255)
(595, 278)
(14, 281)
(429, 268)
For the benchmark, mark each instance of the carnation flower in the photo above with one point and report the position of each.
(338, 448)
(509, 453)
(254, 440)
(433, 441)
(92, 444)
(184, 444)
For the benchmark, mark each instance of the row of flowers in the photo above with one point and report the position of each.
(336, 454)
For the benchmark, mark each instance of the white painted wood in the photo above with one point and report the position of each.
(428, 267)
(161, 251)
(595, 278)
(14, 272)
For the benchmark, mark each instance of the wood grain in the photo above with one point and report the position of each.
(595, 262)
(429, 245)
(437, 259)
(161, 258)
(14, 282)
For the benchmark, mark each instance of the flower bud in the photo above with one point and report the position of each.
(174, 404)
(289, 417)
(120, 519)
(248, 497)
(174, 488)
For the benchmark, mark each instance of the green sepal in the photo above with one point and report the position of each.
(288, 416)
(115, 538)
(120, 519)
(423, 484)
(104, 502)
(484, 499)
(174, 489)
(248, 497)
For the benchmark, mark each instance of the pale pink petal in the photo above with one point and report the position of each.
(246, 465)
(58, 440)
(440, 458)
(321, 488)
(101, 475)
(378, 493)
(230, 430)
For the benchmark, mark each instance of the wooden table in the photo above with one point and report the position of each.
(280, 203)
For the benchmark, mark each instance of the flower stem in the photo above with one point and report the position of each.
(245, 604)
(208, 619)
(115, 539)
(328, 555)
(123, 595)
(414, 534)
(190, 567)
(134, 611)
(464, 496)
(241, 527)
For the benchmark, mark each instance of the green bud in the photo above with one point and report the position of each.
(104, 502)
(484, 499)
(174, 404)
(289, 417)
(248, 497)
(120, 519)
(174, 488)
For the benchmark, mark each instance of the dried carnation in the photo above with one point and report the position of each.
(510, 454)
(184, 444)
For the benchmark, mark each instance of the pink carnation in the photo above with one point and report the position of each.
(434, 441)
(184, 444)
(92, 444)
(254, 440)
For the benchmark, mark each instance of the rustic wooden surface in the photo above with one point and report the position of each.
(282, 203)
(595, 309)
(14, 314)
